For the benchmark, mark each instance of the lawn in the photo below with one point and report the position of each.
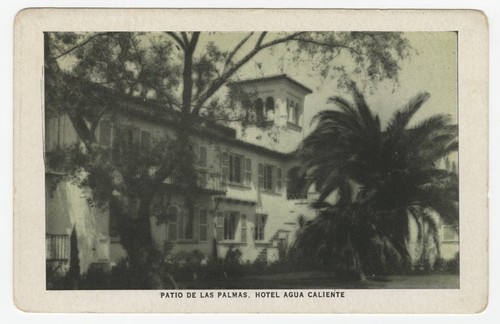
(324, 280)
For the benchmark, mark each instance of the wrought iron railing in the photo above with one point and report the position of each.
(296, 195)
(57, 247)
(210, 181)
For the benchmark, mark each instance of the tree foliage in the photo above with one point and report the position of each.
(382, 176)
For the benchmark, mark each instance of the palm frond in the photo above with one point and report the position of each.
(402, 117)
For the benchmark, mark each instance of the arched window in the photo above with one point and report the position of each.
(269, 108)
(172, 223)
(259, 110)
(291, 111)
(297, 114)
(296, 184)
(249, 110)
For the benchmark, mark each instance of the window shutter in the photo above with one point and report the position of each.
(220, 226)
(236, 168)
(117, 141)
(248, 172)
(196, 153)
(145, 140)
(180, 225)
(279, 183)
(243, 228)
(203, 225)
(226, 220)
(225, 166)
(105, 133)
(172, 224)
(203, 157)
(136, 137)
(273, 178)
(261, 176)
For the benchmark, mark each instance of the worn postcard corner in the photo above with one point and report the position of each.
(230, 161)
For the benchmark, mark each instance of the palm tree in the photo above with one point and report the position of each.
(382, 177)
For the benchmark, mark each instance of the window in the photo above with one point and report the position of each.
(279, 182)
(172, 223)
(248, 172)
(235, 168)
(269, 108)
(290, 111)
(270, 177)
(203, 225)
(125, 139)
(297, 114)
(243, 228)
(293, 112)
(224, 161)
(201, 162)
(250, 111)
(188, 226)
(260, 224)
(230, 225)
(259, 110)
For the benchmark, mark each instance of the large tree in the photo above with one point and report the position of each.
(381, 178)
(86, 74)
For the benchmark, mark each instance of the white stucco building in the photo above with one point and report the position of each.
(242, 199)
(247, 195)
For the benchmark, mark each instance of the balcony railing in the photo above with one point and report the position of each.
(296, 195)
(204, 180)
(57, 247)
(210, 181)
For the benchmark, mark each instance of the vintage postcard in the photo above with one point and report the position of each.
(251, 161)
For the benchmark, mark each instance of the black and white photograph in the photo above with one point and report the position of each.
(252, 160)
(187, 165)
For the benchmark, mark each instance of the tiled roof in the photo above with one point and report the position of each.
(153, 111)
(274, 77)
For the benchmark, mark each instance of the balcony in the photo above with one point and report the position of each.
(210, 181)
(205, 181)
(300, 195)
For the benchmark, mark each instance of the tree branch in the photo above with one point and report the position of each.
(139, 58)
(96, 120)
(236, 49)
(261, 38)
(330, 45)
(177, 39)
(194, 41)
(185, 38)
(226, 75)
(79, 45)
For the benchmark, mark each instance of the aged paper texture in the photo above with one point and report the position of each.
(251, 161)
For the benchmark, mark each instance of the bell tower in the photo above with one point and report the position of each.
(275, 110)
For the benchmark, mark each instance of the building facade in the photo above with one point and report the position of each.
(241, 201)
(248, 196)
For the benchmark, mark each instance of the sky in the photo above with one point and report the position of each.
(431, 67)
